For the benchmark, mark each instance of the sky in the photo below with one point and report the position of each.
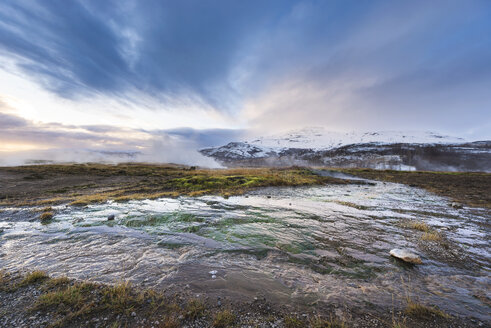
(167, 77)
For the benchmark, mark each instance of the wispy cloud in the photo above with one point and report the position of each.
(24, 140)
(271, 65)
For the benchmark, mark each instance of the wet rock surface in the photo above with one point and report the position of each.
(300, 247)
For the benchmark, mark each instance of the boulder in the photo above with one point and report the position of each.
(406, 256)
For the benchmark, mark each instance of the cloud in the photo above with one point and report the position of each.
(388, 65)
(207, 137)
(10, 121)
(24, 141)
(270, 65)
(162, 48)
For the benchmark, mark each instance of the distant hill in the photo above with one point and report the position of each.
(399, 150)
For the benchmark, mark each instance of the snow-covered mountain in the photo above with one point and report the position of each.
(382, 149)
(321, 139)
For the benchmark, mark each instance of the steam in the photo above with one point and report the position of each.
(162, 149)
(166, 149)
(58, 143)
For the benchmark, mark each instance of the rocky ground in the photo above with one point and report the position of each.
(36, 300)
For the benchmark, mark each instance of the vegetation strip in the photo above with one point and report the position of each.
(61, 302)
(82, 184)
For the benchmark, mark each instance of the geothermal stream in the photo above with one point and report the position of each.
(298, 246)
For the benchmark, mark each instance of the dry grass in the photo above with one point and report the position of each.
(195, 309)
(56, 282)
(293, 322)
(89, 199)
(171, 322)
(72, 301)
(142, 181)
(432, 236)
(4, 281)
(422, 311)
(33, 277)
(353, 205)
(224, 319)
(418, 310)
(429, 234)
(398, 324)
(122, 298)
(3, 277)
(418, 225)
(69, 297)
(318, 322)
(46, 216)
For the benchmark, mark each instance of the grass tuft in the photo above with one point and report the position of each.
(293, 322)
(195, 309)
(89, 199)
(171, 322)
(69, 297)
(121, 298)
(421, 226)
(422, 311)
(318, 322)
(56, 282)
(4, 281)
(46, 216)
(353, 205)
(397, 324)
(33, 277)
(224, 319)
(431, 236)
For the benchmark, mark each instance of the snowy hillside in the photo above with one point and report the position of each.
(321, 139)
(399, 150)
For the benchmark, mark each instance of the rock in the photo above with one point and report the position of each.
(110, 217)
(457, 205)
(133, 314)
(406, 256)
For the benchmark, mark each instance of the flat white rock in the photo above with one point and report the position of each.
(405, 255)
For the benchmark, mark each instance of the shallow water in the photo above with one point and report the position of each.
(300, 246)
